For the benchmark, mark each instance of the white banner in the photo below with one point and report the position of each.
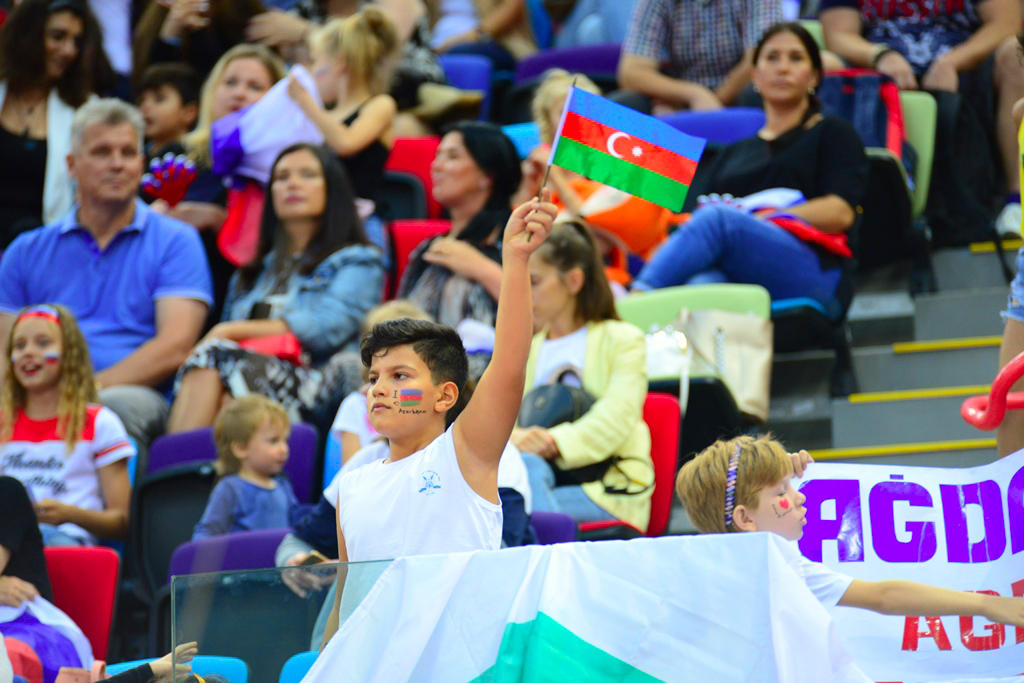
(956, 528)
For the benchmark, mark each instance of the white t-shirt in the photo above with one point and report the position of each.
(355, 418)
(457, 17)
(419, 505)
(511, 471)
(115, 18)
(827, 585)
(39, 459)
(557, 355)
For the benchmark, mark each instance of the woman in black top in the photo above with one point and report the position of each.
(798, 148)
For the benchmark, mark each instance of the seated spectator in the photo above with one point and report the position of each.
(50, 64)
(457, 276)
(943, 47)
(315, 276)
(351, 426)
(593, 22)
(621, 220)
(70, 453)
(196, 32)
(239, 78)
(45, 633)
(693, 55)
(350, 58)
(496, 29)
(800, 149)
(252, 449)
(169, 102)
(581, 341)
(137, 281)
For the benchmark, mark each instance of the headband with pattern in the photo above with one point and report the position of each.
(43, 311)
(730, 484)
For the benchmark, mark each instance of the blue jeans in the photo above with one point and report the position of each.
(723, 244)
(569, 500)
(1015, 301)
(54, 537)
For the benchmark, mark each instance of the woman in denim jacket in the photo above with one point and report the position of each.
(315, 276)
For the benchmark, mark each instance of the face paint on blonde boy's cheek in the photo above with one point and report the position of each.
(408, 401)
(782, 508)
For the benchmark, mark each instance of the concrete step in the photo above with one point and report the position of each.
(959, 453)
(967, 268)
(881, 318)
(920, 365)
(801, 421)
(901, 417)
(965, 313)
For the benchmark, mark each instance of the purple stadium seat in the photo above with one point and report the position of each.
(593, 60)
(470, 72)
(553, 527)
(240, 550)
(197, 446)
(723, 125)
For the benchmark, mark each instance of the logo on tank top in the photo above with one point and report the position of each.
(431, 483)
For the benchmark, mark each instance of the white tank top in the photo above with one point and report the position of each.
(419, 505)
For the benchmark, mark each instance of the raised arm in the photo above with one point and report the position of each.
(483, 428)
(373, 122)
(917, 599)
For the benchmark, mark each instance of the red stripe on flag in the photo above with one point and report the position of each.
(629, 149)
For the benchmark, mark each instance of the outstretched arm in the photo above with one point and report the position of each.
(373, 122)
(917, 599)
(483, 428)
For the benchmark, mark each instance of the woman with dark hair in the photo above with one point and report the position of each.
(51, 61)
(455, 277)
(581, 341)
(315, 276)
(795, 249)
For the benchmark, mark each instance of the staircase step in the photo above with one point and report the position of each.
(908, 416)
(881, 318)
(919, 365)
(965, 313)
(802, 421)
(957, 453)
(968, 268)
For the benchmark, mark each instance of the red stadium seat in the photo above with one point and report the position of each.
(661, 413)
(84, 584)
(406, 236)
(414, 155)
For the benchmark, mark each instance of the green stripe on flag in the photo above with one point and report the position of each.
(544, 650)
(622, 175)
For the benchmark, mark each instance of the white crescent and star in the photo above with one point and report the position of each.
(636, 151)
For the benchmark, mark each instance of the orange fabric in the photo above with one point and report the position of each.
(638, 223)
(24, 660)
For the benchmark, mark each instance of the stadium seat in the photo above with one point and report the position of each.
(403, 196)
(406, 236)
(552, 527)
(601, 61)
(197, 446)
(229, 552)
(722, 126)
(540, 24)
(525, 136)
(470, 72)
(296, 667)
(661, 413)
(84, 584)
(414, 155)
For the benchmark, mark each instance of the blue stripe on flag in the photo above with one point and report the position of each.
(613, 115)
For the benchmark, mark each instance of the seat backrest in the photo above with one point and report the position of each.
(661, 413)
(470, 72)
(165, 509)
(414, 155)
(593, 60)
(919, 116)
(406, 236)
(403, 195)
(197, 445)
(525, 136)
(816, 30)
(540, 23)
(84, 584)
(294, 670)
(228, 552)
(553, 527)
(721, 126)
(661, 306)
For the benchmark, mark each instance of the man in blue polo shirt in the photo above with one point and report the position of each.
(138, 282)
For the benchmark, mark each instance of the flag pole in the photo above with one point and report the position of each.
(547, 168)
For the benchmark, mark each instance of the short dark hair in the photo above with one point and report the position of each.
(177, 75)
(439, 346)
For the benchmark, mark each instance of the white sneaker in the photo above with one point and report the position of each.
(1008, 224)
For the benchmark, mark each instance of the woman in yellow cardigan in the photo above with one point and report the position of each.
(582, 341)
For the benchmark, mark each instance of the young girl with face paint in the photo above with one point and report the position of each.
(69, 452)
(744, 485)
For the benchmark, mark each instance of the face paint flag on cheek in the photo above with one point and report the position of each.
(51, 357)
(411, 397)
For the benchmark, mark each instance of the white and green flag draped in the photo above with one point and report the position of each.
(704, 608)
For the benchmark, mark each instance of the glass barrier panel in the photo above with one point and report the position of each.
(249, 623)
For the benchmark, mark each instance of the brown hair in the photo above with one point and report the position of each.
(701, 482)
(77, 384)
(365, 40)
(236, 424)
(569, 246)
(555, 85)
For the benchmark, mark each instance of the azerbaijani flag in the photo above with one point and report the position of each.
(625, 149)
(722, 607)
(410, 397)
